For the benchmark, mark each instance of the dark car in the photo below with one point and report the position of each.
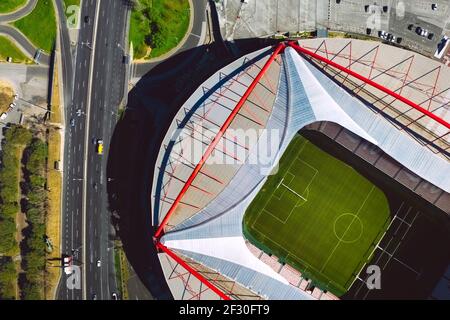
(430, 36)
(399, 40)
(86, 19)
(410, 27)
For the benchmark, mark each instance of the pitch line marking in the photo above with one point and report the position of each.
(269, 198)
(292, 176)
(294, 192)
(281, 221)
(346, 230)
(341, 238)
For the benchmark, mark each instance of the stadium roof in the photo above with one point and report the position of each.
(199, 206)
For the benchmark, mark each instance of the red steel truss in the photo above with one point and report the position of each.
(371, 83)
(216, 139)
(191, 270)
(221, 133)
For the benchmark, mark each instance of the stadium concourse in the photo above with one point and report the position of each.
(209, 170)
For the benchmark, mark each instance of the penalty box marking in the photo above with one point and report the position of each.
(289, 177)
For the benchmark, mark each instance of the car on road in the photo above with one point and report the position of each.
(94, 297)
(67, 263)
(37, 55)
(99, 146)
(114, 296)
(3, 116)
(72, 122)
(99, 263)
(95, 186)
(87, 19)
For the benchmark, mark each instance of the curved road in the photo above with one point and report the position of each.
(21, 12)
(20, 39)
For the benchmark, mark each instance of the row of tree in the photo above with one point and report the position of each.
(26, 157)
(35, 207)
(15, 140)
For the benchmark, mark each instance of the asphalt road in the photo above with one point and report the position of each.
(16, 15)
(86, 170)
(66, 52)
(107, 92)
(191, 42)
(72, 223)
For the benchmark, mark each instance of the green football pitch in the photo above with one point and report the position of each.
(318, 215)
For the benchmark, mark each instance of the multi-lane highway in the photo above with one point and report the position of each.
(97, 92)
(108, 89)
(75, 136)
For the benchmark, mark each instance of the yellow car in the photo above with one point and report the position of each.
(100, 146)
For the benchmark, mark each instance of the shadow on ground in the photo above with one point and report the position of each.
(135, 144)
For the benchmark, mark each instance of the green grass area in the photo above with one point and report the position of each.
(318, 215)
(158, 25)
(11, 5)
(40, 25)
(9, 49)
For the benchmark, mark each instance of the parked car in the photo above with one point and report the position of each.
(37, 56)
(422, 32)
(383, 34)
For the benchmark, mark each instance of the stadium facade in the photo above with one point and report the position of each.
(198, 204)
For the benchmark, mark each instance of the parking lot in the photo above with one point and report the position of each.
(398, 25)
